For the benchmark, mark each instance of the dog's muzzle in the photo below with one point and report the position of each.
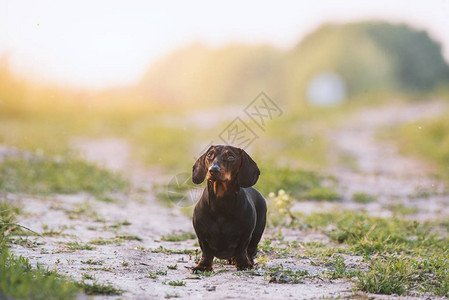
(214, 171)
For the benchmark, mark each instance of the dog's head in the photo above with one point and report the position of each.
(226, 164)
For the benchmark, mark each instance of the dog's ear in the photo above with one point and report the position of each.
(199, 169)
(249, 172)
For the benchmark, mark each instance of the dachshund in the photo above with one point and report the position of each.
(230, 217)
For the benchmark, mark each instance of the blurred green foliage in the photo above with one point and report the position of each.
(428, 139)
(371, 57)
(49, 175)
(198, 74)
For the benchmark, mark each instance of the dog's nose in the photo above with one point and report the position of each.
(214, 170)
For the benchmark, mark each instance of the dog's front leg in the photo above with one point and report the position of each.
(242, 261)
(206, 260)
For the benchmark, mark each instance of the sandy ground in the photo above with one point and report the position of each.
(374, 166)
(378, 169)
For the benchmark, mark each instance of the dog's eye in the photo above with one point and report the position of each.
(210, 154)
(231, 157)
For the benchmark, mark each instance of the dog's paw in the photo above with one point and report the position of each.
(200, 268)
(244, 266)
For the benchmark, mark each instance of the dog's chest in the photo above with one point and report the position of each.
(224, 234)
(224, 227)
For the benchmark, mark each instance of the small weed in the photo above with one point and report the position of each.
(263, 260)
(79, 246)
(362, 197)
(93, 262)
(178, 237)
(106, 269)
(82, 209)
(321, 193)
(99, 289)
(25, 242)
(52, 233)
(177, 283)
(205, 273)
(340, 269)
(152, 275)
(118, 239)
(128, 238)
(402, 210)
(161, 249)
(281, 275)
(172, 267)
(101, 241)
(88, 276)
(125, 264)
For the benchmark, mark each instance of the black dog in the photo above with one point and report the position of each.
(230, 217)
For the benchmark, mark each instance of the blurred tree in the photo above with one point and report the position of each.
(371, 57)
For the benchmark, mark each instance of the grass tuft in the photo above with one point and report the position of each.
(178, 237)
(362, 197)
(44, 175)
(79, 246)
(96, 288)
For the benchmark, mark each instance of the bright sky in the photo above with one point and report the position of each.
(101, 43)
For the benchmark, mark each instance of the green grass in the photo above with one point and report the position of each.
(128, 237)
(8, 211)
(161, 249)
(36, 134)
(398, 256)
(79, 246)
(405, 257)
(321, 193)
(93, 262)
(152, 275)
(18, 279)
(88, 276)
(281, 275)
(96, 288)
(402, 274)
(368, 235)
(428, 139)
(167, 146)
(362, 197)
(45, 175)
(294, 181)
(178, 237)
(177, 283)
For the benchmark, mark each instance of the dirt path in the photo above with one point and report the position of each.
(136, 223)
(377, 168)
(125, 264)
